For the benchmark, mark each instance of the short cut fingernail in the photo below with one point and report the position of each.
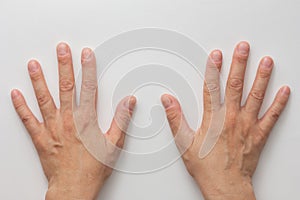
(285, 91)
(33, 66)
(166, 101)
(243, 48)
(14, 93)
(87, 54)
(216, 56)
(267, 63)
(62, 49)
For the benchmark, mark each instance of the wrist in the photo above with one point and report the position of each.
(75, 192)
(73, 188)
(68, 194)
(231, 188)
(72, 192)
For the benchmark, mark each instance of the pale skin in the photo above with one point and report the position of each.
(226, 172)
(72, 172)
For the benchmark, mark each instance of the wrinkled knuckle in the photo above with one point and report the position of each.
(64, 59)
(241, 58)
(89, 85)
(214, 64)
(257, 94)
(53, 150)
(26, 118)
(236, 84)
(281, 103)
(36, 76)
(43, 99)
(275, 113)
(212, 87)
(264, 74)
(173, 113)
(19, 107)
(66, 85)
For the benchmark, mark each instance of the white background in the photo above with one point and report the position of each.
(33, 28)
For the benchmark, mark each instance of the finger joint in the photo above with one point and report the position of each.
(43, 98)
(257, 94)
(66, 85)
(236, 84)
(89, 85)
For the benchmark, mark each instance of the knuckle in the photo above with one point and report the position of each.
(274, 113)
(26, 118)
(174, 119)
(43, 98)
(53, 150)
(281, 102)
(19, 107)
(89, 85)
(64, 59)
(241, 58)
(214, 64)
(66, 85)
(236, 84)
(173, 114)
(212, 87)
(264, 74)
(257, 94)
(36, 76)
(116, 138)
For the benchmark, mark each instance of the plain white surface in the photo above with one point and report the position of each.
(33, 28)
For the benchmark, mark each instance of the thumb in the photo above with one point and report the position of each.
(121, 120)
(183, 134)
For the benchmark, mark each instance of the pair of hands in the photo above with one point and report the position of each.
(225, 173)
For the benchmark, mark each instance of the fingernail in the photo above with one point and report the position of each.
(62, 49)
(216, 56)
(285, 90)
(166, 101)
(130, 103)
(86, 53)
(33, 66)
(243, 48)
(14, 94)
(267, 63)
